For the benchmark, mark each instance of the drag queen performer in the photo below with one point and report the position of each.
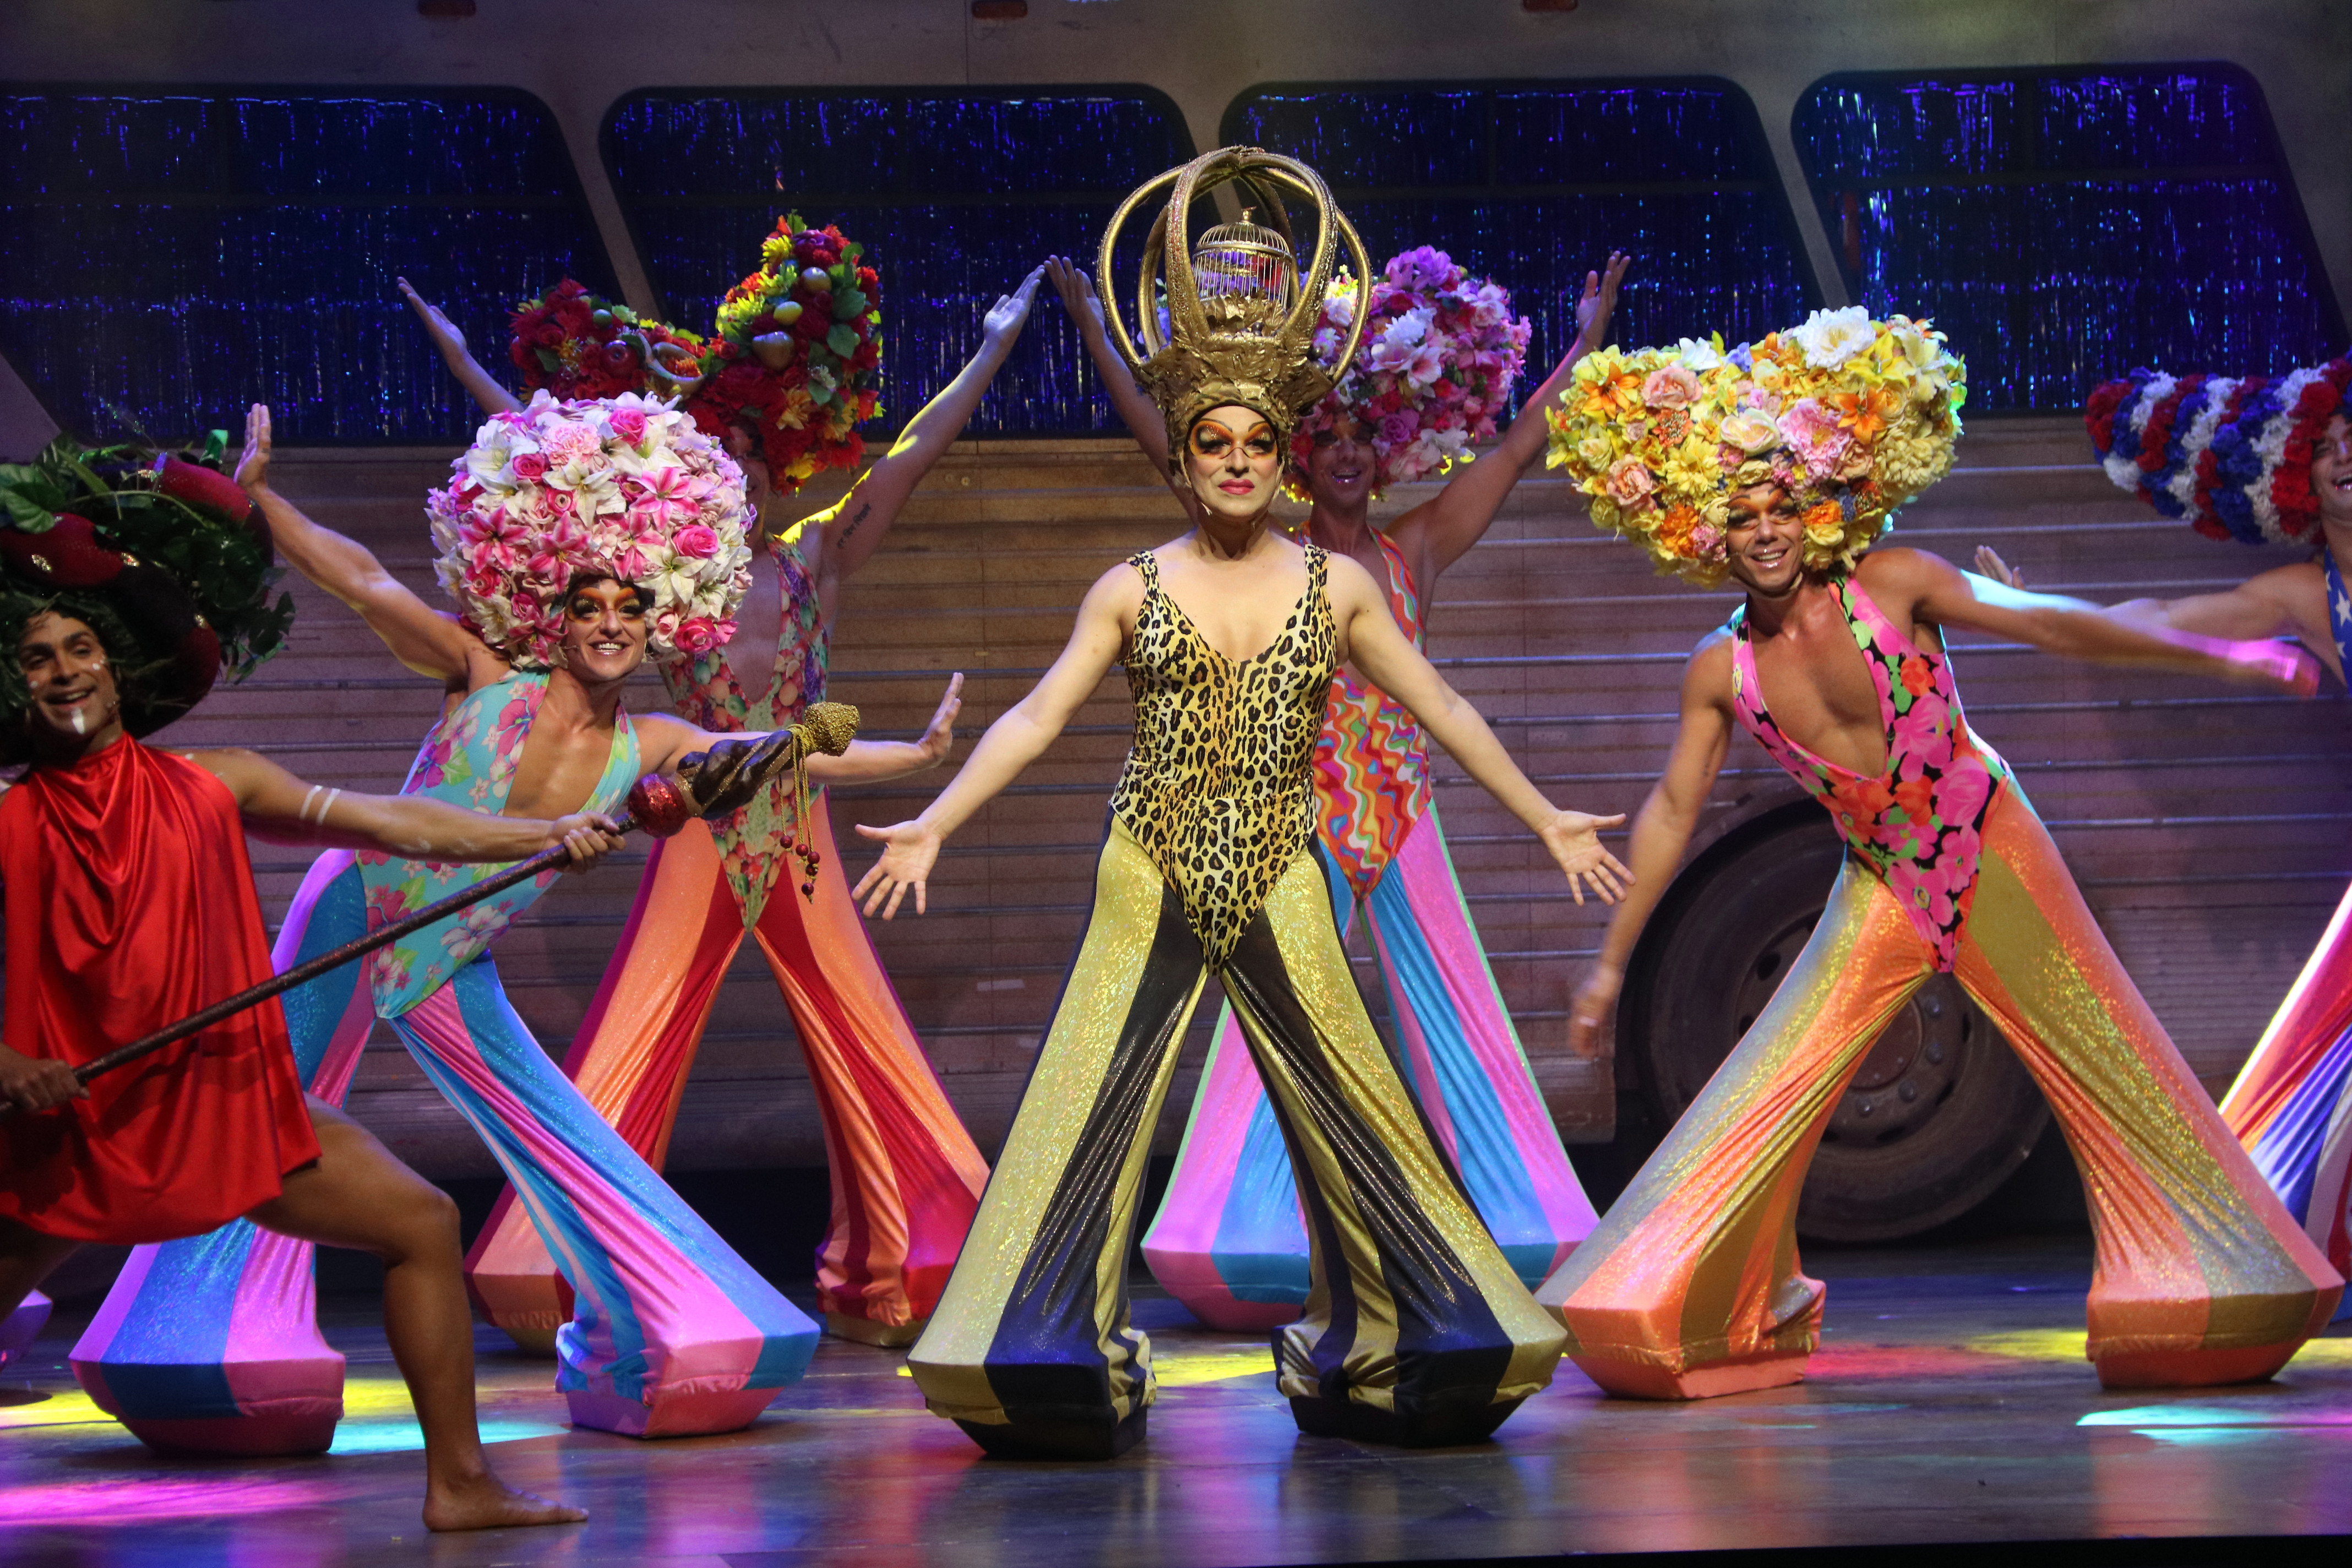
(1230, 1241)
(905, 1174)
(1776, 465)
(2263, 460)
(131, 905)
(1416, 1331)
(575, 538)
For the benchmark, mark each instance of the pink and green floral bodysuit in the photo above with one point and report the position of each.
(1921, 825)
(704, 692)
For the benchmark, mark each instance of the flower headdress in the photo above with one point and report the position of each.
(167, 560)
(799, 353)
(1241, 317)
(574, 344)
(2231, 455)
(1440, 353)
(625, 488)
(1853, 416)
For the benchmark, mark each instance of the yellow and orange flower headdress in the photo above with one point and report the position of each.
(1854, 417)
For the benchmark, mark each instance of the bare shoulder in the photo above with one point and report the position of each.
(1898, 568)
(1708, 674)
(2300, 590)
(663, 739)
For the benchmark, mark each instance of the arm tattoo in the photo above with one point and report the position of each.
(855, 521)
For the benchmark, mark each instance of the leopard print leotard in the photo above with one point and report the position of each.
(1219, 788)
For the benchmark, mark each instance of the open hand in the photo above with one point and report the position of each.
(38, 1083)
(589, 835)
(1589, 1010)
(438, 327)
(1003, 322)
(1574, 840)
(910, 849)
(1598, 303)
(1076, 289)
(253, 463)
(1990, 565)
(939, 734)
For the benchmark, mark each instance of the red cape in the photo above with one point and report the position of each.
(131, 905)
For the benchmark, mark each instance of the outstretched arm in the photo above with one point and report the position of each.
(427, 640)
(1933, 589)
(281, 808)
(854, 525)
(1134, 404)
(1662, 831)
(1458, 516)
(1381, 651)
(451, 343)
(663, 741)
(1011, 745)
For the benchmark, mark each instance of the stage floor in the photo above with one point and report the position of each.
(1950, 1403)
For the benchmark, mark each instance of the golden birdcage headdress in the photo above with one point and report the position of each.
(1241, 313)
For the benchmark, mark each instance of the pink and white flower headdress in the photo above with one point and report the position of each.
(624, 488)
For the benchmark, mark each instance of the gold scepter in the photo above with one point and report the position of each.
(719, 780)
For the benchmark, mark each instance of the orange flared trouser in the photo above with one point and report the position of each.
(905, 1176)
(1690, 1285)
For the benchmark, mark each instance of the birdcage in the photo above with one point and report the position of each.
(1246, 261)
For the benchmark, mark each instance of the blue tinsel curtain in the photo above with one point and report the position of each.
(174, 256)
(1534, 186)
(2064, 227)
(955, 196)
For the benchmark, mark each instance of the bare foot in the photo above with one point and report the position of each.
(486, 1502)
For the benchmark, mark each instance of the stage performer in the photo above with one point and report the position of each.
(1417, 1331)
(905, 1174)
(1230, 1241)
(2262, 461)
(131, 905)
(575, 538)
(1776, 465)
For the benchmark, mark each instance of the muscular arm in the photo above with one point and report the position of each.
(662, 741)
(1932, 590)
(283, 809)
(449, 342)
(1011, 745)
(1441, 530)
(1662, 831)
(1378, 647)
(853, 527)
(1134, 404)
(427, 640)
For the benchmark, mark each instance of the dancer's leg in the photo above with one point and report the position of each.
(1417, 1331)
(906, 1175)
(2288, 1107)
(672, 1333)
(211, 1343)
(630, 1059)
(1230, 1239)
(1690, 1286)
(1030, 1351)
(357, 1196)
(2201, 1276)
(1464, 1062)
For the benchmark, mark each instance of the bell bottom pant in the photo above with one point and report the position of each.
(1416, 1329)
(906, 1175)
(210, 1343)
(1230, 1240)
(2289, 1108)
(1690, 1285)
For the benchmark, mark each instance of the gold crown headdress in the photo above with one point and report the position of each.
(1241, 317)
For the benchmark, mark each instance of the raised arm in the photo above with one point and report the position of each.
(283, 809)
(484, 388)
(1662, 831)
(1012, 743)
(428, 641)
(1933, 589)
(1458, 516)
(1373, 642)
(1134, 404)
(852, 527)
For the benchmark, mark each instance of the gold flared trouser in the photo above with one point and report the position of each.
(1690, 1284)
(1416, 1331)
